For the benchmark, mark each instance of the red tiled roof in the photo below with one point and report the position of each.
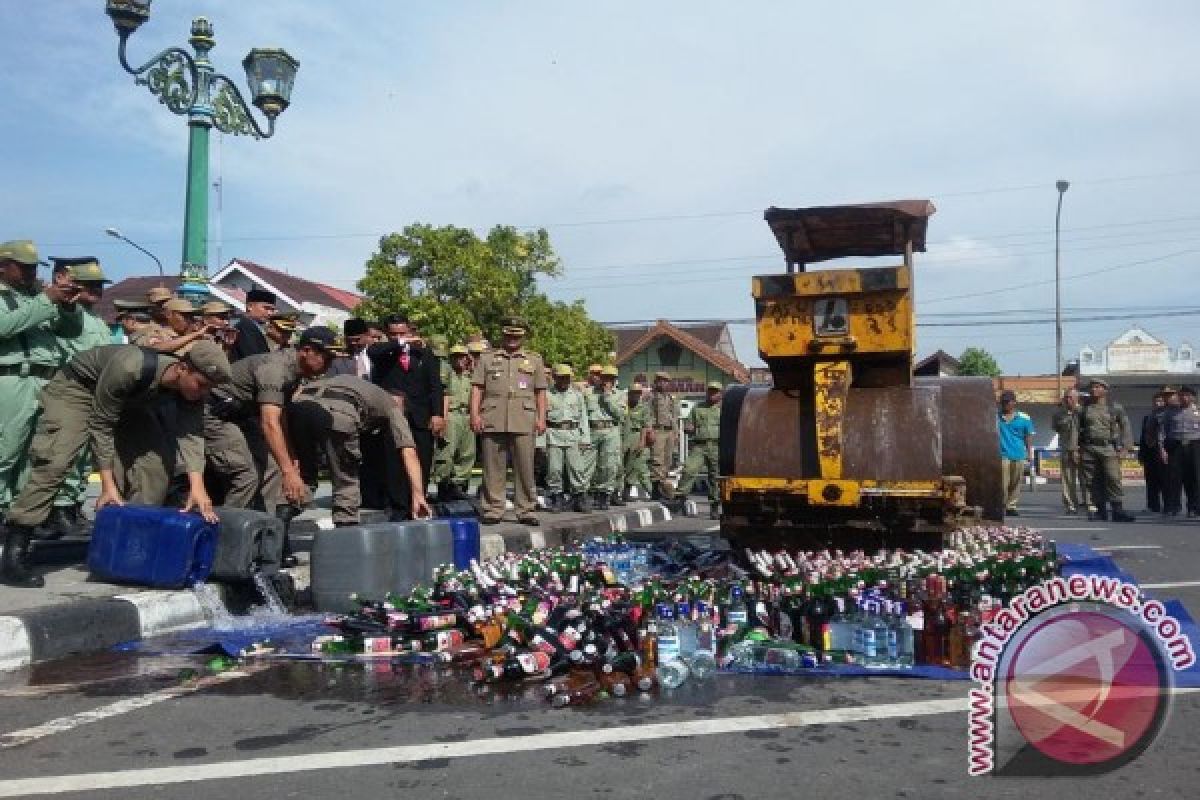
(300, 289)
(685, 339)
(133, 288)
(710, 334)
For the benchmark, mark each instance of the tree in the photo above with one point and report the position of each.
(977, 361)
(449, 281)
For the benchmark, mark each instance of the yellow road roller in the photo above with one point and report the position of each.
(846, 447)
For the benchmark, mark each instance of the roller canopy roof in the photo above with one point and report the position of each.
(815, 234)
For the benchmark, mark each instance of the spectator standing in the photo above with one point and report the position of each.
(1016, 448)
(1104, 434)
(1180, 451)
(1066, 425)
(1150, 450)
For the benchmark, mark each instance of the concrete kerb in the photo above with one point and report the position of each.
(89, 625)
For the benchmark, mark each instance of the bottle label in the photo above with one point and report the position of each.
(534, 662)
(869, 645)
(826, 636)
(668, 648)
(916, 620)
(377, 644)
(432, 622)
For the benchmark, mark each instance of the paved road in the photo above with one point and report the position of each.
(303, 730)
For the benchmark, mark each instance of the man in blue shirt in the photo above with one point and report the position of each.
(1016, 447)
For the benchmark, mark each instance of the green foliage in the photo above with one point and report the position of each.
(449, 281)
(977, 361)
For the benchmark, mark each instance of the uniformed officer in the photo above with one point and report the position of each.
(508, 408)
(217, 318)
(1179, 449)
(703, 425)
(327, 416)
(244, 440)
(280, 329)
(1104, 434)
(1066, 425)
(590, 385)
(662, 417)
(182, 329)
(635, 465)
(157, 330)
(107, 396)
(606, 410)
(67, 515)
(567, 427)
(132, 315)
(455, 454)
(32, 318)
(1154, 468)
(475, 350)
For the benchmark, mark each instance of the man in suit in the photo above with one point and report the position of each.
(252, 325)
(357, 334)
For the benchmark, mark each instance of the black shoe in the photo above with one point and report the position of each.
(600, 501)
(1098, 516)
(714, 511)
(582, 503)
(445, 492)
(1011, 512)
(14, 559)
(1119, 514)
(529, 519)
(60, 523)
(615, 499)
(490, 520)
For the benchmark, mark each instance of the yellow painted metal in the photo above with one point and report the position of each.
(831, 382)
(813, 490)
(877, 306)
(833, 493)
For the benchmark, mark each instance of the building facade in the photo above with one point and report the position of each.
(1137, 352)
(694, 355)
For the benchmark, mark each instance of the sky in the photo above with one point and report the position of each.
(648, 138)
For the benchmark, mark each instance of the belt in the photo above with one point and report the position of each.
(31, 370)
(562, 426)
(702, 441)
(1097, 442)
(460, 409)
(601, 424)
(332, 393)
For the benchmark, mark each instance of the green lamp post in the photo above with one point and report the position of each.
(189, 86)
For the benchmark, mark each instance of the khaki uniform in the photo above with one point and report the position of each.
(510, 383)
(95, 334)
(351, 408)
(662, 415)
(237, 451)
(96, 398)
(30, 327)
(704, 425)
(606, 411)
(1102, 427)
(636, 465)
(455, 455)
(1074, 488)
(567, 427)
(151, 334)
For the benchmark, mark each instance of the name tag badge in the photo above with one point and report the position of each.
(522, 383)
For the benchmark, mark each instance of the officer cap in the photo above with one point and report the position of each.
(666, 376)
(1098, 382)
(82, 270)
(208, 358)
(475, 348)
(610, 371)
(260, 296)
(595, 369)
(1187, 390)
(215, 308)
(514, 326)
(715, 386)
(459, 350)
(285, 322)
(21, 251)
(564, 371)
(181, 305)
(130, 306)
(319, 338)
(637, 387)
(159, 294)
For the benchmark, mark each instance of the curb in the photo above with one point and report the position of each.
(95, 624)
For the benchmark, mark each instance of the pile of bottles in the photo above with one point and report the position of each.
(587, 628)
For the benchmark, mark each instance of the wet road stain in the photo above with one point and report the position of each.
(519, 731)
(761, 734)
(624, 749)
(450, 737)
(329, 706)
(433, 763)
(295, 735)
(191, 752)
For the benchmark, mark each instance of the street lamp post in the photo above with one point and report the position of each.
(1058, 337)
(189, 86)
(116, 234)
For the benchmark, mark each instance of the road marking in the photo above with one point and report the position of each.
(1111, 547)
(1070, 530)
(1179, 585)
(711, 529)
(64, 724)
(345, 759)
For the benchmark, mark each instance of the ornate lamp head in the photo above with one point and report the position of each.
(271, 73)
(127, 15)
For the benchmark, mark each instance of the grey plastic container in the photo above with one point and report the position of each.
(247, 542)
(372, 560)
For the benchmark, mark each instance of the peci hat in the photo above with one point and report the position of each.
(158, 294)
(215, 308)
(22, 251)
(514, 326)
(715, 386)
(459, 350)
(354, 327)
(208, 358)
(181, 305)
(82, 270)
(318, 338)
(564, 371)
(260, 296)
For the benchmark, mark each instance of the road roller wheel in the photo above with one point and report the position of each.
(970, 442)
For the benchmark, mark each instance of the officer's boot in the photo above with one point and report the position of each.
(460, 492)
(600, 500)
(1119, 514)
(286, 513)
(616, 498)
(714, 511)
(1099, 515)
(57, 525)
(583, 502)
(14, 559)
(445, 491)
(83, 525)
(656, 492)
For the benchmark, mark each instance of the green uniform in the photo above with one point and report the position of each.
(346, 407)
(1102, 428)
(605, 415)
(238, 456)
(1074, 489)
(455, 454)
(704, 425)
(637, 455)
(29, 356)
(567, 427)
(98, 398)
(95, 334)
